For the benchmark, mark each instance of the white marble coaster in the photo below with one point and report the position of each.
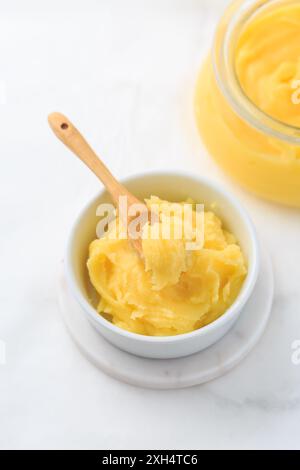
(174, 373)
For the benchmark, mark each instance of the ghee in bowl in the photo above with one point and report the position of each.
(173, 290)
(170, 186)
(248, 95)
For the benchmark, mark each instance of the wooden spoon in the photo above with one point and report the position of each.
(71, 137)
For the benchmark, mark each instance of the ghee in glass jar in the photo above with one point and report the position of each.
(248, 98)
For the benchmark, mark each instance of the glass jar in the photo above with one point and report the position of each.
(260, 152)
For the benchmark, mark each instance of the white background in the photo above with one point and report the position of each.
(124, 72)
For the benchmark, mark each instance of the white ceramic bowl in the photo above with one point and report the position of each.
(172, 187)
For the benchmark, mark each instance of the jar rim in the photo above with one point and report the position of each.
(236, 15)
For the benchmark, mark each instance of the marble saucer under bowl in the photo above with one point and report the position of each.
(174, 373)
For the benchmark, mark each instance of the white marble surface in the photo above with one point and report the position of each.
(125, 72)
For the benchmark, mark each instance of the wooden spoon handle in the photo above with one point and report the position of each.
(71, 137)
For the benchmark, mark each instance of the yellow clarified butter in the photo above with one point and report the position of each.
(267, 65)
(268, 62)
(172, 290)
